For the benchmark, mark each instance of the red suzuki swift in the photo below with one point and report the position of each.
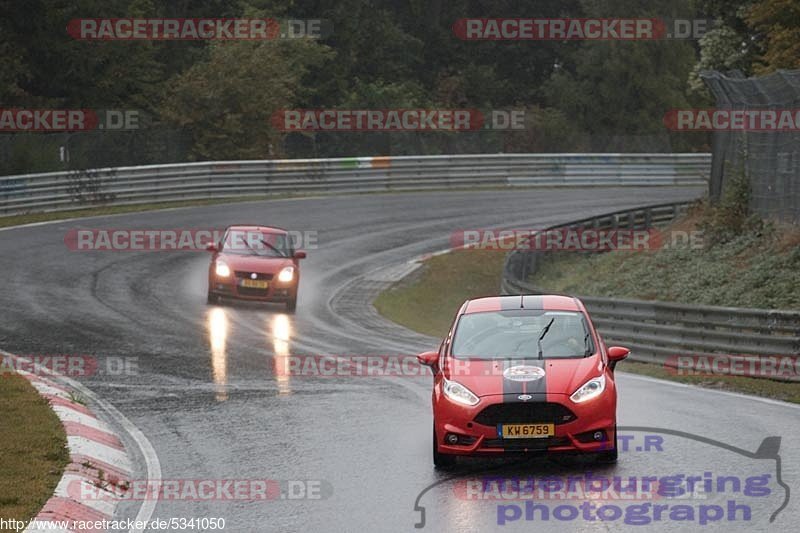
(523, 374)
(255, 263)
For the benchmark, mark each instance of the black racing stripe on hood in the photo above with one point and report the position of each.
(536, 388)
(511, 387)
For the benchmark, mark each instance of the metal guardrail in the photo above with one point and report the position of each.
(521, 264)
(56, 191)
(658, 332)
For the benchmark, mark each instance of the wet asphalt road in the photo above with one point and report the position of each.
(206, 395)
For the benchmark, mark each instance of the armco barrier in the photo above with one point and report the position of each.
(57, 191)
(657, 331)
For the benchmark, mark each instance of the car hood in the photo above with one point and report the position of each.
(252, 263)
(523, 376)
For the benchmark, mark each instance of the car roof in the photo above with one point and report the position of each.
(549, 302)
(252, 227)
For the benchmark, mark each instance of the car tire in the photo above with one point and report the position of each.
(212, 298)
(610, 457)
(291, 305)
(441, 460)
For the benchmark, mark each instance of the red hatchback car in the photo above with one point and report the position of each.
(523, 374)
(255, 263)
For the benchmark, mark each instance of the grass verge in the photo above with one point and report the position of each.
(767, 388)
(758, 269)
(33, 449)
(427, 301)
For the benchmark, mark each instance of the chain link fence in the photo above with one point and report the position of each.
(770, 158)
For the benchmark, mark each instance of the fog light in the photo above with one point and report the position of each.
(599, 435)
(451, 438)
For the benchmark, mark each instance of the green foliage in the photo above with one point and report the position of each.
(747, 271)
(754, 36)
(731, 217)
(227, 100)
(756, 265)
(580, 96)
(613, 88)
(777, 23)
(721, 49)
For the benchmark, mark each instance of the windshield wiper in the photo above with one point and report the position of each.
(268, 245)
(544, 332)
(255, 252)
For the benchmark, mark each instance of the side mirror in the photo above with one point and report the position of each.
(300, 254)
(617, 353)
(428, 358)
(211, 247)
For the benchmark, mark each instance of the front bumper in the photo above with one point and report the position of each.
(275, 292)
(577, 426)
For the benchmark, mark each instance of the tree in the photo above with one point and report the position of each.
(226, 101)
(777, 26)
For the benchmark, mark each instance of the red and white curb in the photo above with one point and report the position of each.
(98, 461)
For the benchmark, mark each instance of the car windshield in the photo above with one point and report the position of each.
(255, 242)
(514, 334)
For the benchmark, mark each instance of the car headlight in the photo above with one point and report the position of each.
(286, 275)
(591, 389)
(222, 270)
(459, 393)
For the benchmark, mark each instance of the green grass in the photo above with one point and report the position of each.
(428, 301)
(757, 269)
(767, 388)
(33, 449)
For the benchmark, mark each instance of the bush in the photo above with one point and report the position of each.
(731, 217)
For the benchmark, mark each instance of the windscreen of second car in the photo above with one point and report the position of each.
(253, 242)
(514, 334)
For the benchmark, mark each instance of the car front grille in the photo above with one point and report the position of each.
(245, 274)
(526, 444)
(523, 413)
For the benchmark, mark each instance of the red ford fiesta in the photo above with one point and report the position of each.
(523, 374)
